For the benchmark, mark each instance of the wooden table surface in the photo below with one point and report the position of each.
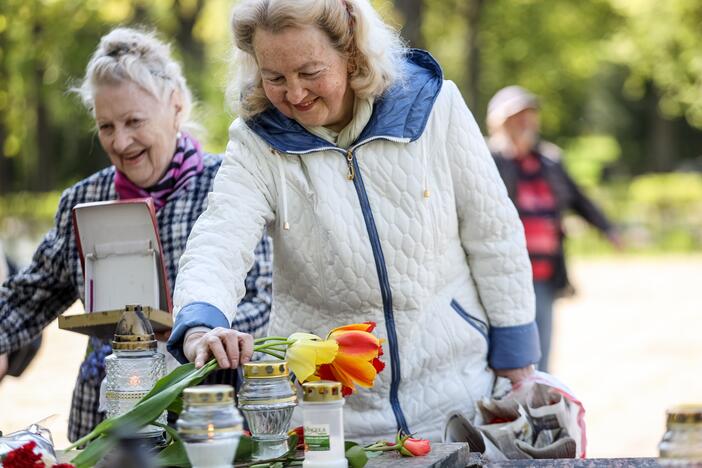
(457, 455)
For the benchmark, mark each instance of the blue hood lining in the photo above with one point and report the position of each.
(401, 112)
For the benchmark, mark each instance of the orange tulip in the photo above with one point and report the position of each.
(357, 359)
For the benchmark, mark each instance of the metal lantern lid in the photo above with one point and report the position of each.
(684, 414)
(133, 331)
(209, 395)
(265, 369)
(321, 390)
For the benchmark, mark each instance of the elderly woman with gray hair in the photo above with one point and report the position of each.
(141, 104)
(384, 205)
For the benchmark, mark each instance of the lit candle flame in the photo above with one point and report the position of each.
(134, 380)
(210, 431)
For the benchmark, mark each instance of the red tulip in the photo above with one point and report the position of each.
(415, 447)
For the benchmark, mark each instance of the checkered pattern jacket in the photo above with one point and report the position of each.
(53, 281)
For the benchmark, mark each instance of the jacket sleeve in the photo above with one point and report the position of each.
(582, 205)
(220, 250)
(36, 295)
(493, 240)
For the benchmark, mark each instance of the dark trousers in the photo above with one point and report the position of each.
(545, 295)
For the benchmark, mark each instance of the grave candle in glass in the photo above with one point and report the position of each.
(267, 400)
(134, 367)
(210, 426)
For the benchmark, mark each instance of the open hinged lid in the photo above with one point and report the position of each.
(122, 259)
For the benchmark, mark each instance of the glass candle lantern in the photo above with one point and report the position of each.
(210, 426)
(323, 423)
(267, 400)
(682, 442)
(134, 367)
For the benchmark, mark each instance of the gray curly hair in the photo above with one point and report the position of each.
(127, 54)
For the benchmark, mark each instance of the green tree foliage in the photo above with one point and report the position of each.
(660, 42)
(618, 69)
(47, 138)
(552, 48)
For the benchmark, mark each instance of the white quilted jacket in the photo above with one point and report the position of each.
(442, 275)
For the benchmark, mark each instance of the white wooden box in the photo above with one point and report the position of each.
(122, 261)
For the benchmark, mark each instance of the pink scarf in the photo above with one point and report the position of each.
(187, 162)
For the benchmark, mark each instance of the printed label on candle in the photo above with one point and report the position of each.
(317, 437)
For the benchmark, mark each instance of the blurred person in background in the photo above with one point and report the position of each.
(141, 104)
(542, 191)
(15, 363)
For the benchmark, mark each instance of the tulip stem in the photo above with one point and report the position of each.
(270, 352)
(276, 346)
(266, 339)
(381, 448)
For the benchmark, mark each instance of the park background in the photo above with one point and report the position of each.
(620, 83)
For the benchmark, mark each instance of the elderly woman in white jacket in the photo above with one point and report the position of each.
(372, 177)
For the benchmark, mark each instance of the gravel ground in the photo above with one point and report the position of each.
(628, 345)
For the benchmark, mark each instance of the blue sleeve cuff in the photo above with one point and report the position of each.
(514, 347)
(195, 314)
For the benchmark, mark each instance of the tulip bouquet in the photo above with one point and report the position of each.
(349, 354)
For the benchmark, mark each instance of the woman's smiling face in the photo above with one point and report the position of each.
(304, 77)
(136, 130)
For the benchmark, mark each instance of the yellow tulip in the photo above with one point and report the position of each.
(308, 351)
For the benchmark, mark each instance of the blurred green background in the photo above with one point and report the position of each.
(620, 83)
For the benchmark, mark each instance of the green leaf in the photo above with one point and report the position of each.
(373, 454)
(148, 409)
(177, 406)
(356, 456)
(245, 449)
(349, 443)
(176, 375)
(292, 443)
(174, 454)
(93, 452)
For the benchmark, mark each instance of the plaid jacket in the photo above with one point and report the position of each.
(53, 281)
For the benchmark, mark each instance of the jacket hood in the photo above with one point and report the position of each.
(400, 113)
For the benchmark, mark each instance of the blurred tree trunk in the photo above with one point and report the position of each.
(44, 173)
(6, 174)
(412, 12)
(472, 10)
(662, 149)
(6, 169)
(193, 50)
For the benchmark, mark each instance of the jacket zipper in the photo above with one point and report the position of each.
(354, 175)
(349, 162)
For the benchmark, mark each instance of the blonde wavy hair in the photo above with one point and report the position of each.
(127, 54)
(374, 49)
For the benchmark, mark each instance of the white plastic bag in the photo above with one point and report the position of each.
(550, 405)
(539, 418)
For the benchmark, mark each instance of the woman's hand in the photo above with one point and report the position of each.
(230, 347)
(516, 375)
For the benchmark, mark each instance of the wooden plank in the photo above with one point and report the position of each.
(579, 463)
